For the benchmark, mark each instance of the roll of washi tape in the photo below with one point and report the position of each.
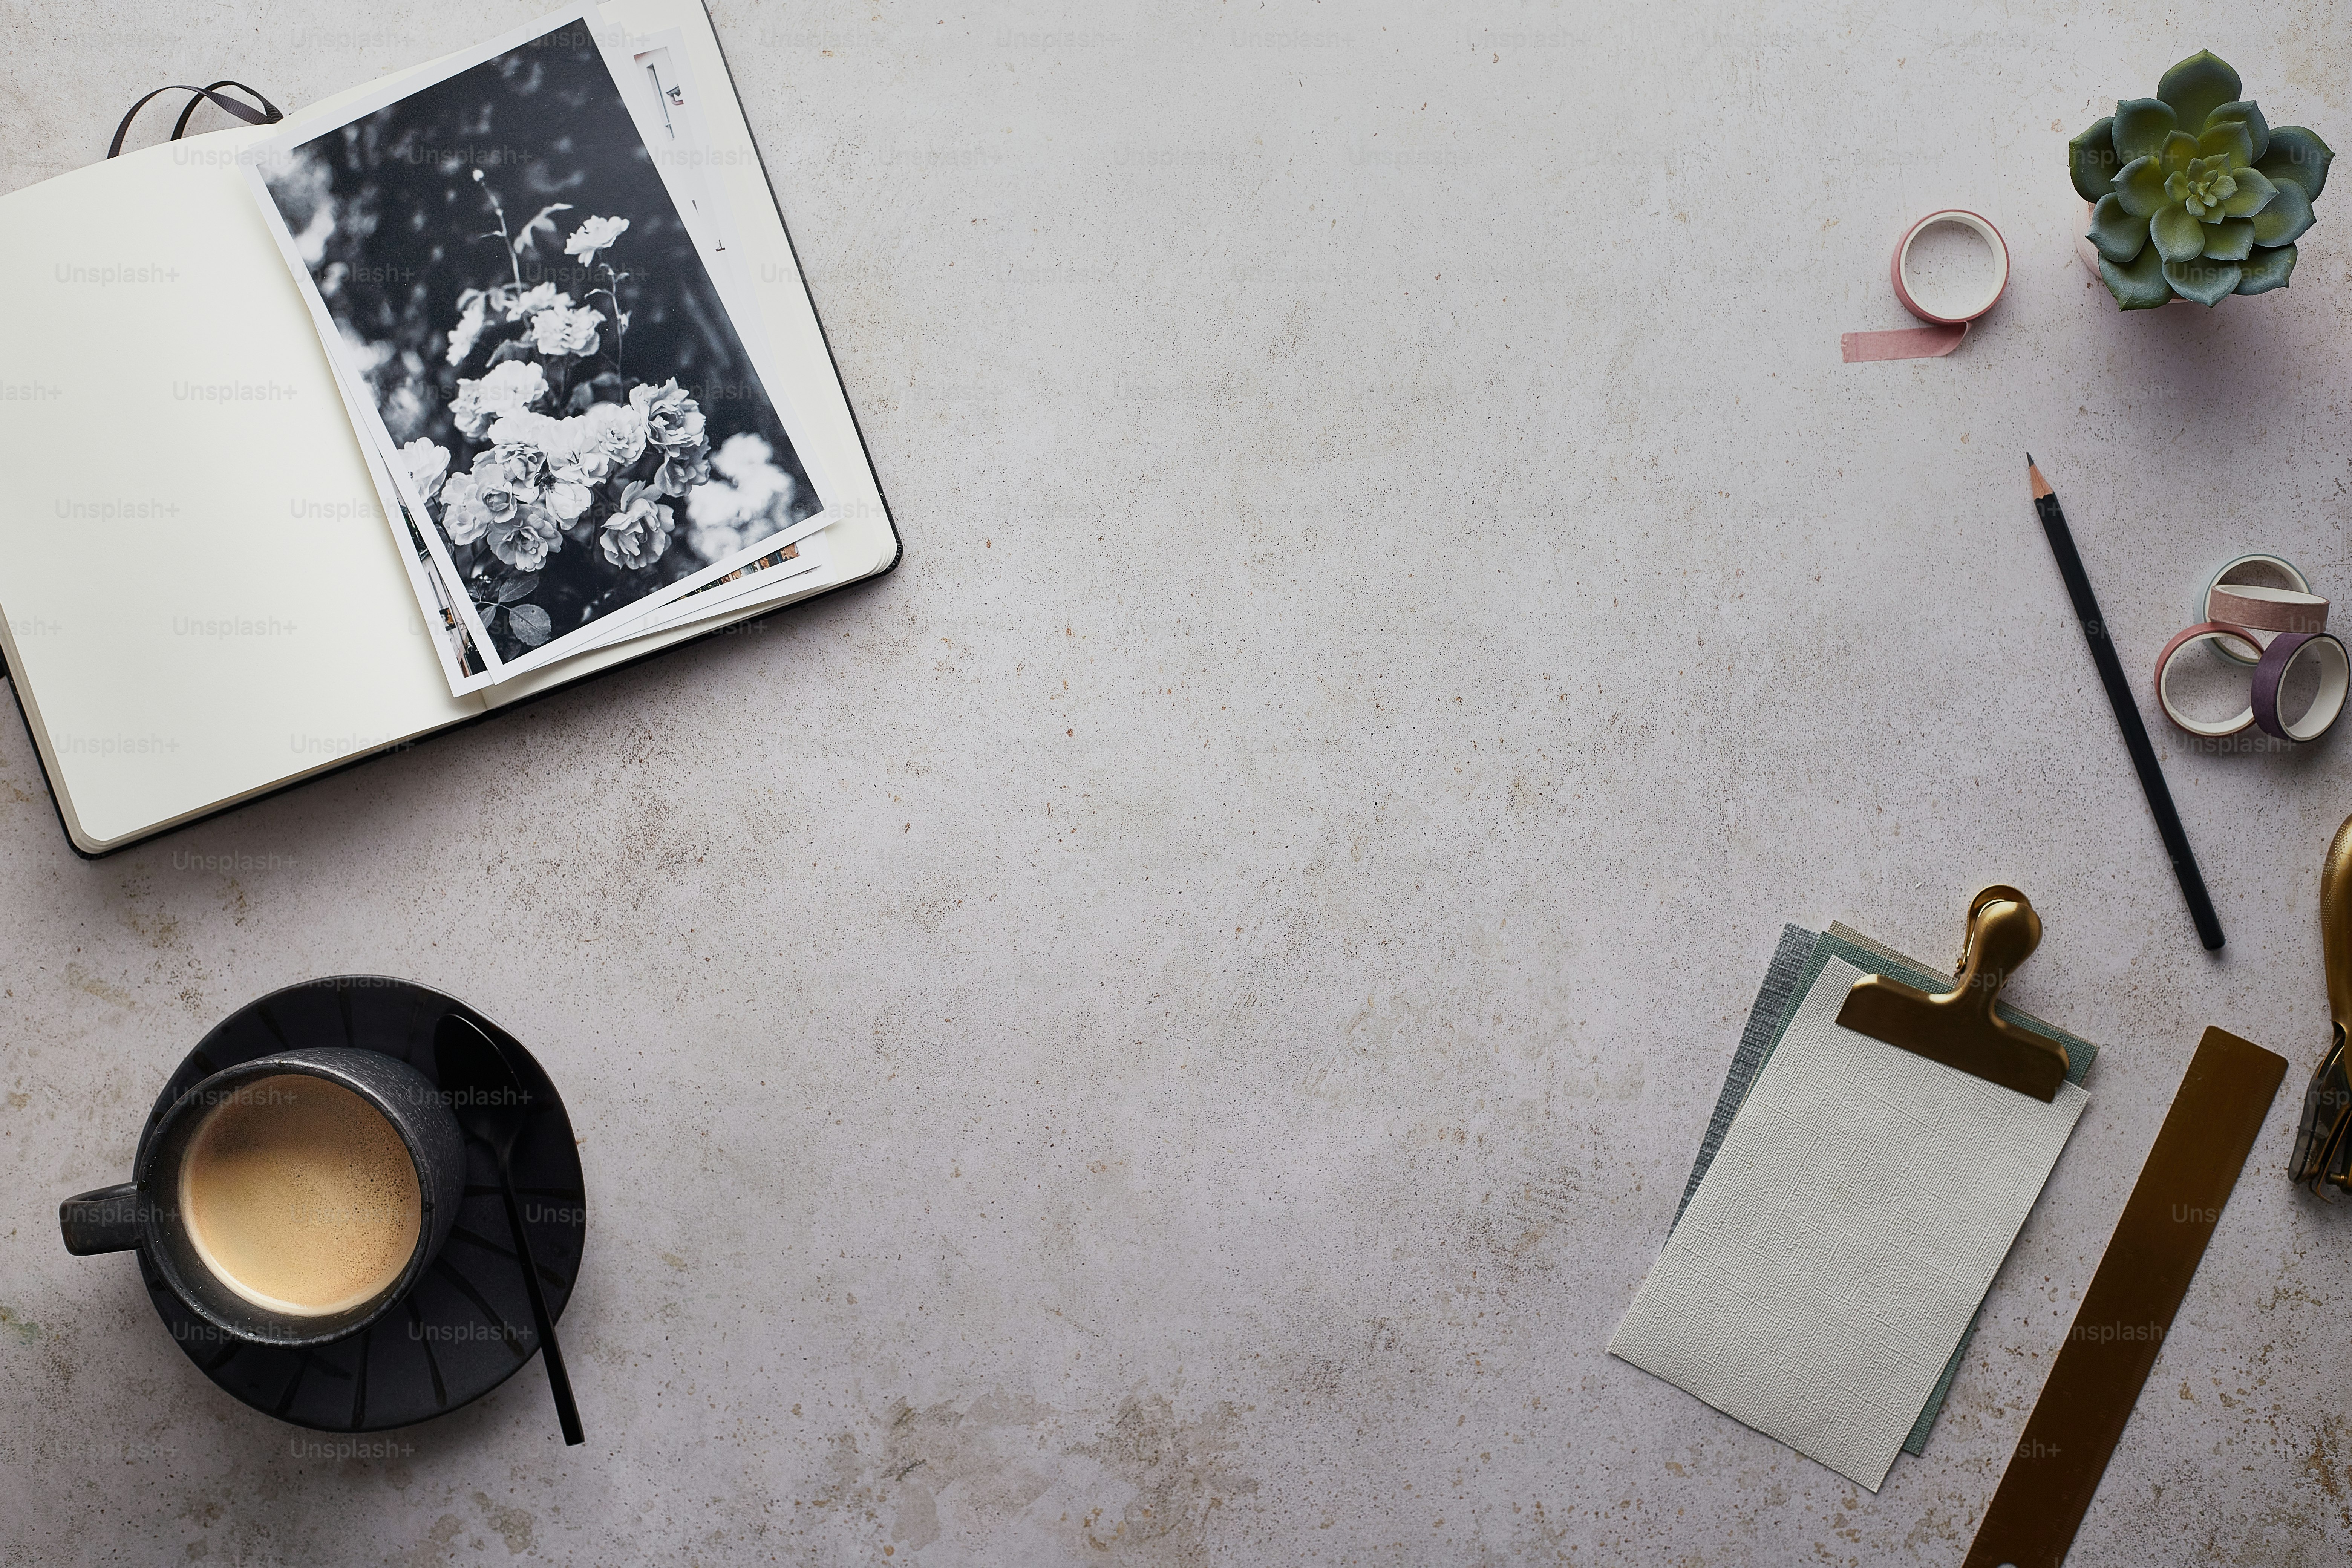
(2286, 651)
(2209, 729)
(2264, 609)
(1947, 306)
(2257, 568)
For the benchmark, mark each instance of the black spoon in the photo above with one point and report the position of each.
(490, 1102)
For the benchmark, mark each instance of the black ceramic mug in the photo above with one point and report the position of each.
(146, 1212)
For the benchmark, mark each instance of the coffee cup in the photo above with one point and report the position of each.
(289, 1200)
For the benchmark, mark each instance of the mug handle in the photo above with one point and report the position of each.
(105, 1219)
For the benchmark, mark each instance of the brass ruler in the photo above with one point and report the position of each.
(2128, 1309)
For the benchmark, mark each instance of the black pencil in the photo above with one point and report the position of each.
(2119, 697)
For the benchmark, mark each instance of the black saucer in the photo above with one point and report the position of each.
(467, 1327)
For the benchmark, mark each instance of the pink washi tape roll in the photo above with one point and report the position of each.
(1947, 310)
(2222, 636)
(2259, 568)
(2260, 608)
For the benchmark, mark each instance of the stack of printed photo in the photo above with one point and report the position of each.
(444, 392)
(523, 281)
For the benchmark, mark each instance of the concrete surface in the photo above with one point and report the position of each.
(1169, 1030)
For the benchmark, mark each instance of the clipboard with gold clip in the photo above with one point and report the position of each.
(2146, 1271)
(1959, 1028)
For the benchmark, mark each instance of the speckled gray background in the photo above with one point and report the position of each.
(1167, 1030)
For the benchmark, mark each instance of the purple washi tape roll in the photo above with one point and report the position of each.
(2335, 679)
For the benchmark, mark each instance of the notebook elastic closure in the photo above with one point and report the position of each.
(1959, 1028)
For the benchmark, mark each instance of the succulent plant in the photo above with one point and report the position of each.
(2193, 193)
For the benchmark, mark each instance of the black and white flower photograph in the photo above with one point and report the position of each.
(511, 282)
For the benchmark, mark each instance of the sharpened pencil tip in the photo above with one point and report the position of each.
(2033, 480)
(2029, 459)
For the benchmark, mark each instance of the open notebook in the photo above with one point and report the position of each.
(449, 391)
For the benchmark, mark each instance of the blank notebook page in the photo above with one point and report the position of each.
(1854, 1217)
(202, 598)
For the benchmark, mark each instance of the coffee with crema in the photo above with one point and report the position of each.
(301, 1196)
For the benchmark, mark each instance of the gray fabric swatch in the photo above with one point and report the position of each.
(1772, 999)
(1795, 963)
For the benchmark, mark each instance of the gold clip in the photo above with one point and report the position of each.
(1959, 1028)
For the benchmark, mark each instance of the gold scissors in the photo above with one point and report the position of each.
(2323, 1143)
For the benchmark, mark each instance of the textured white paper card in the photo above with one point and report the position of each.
(1853, 1219)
